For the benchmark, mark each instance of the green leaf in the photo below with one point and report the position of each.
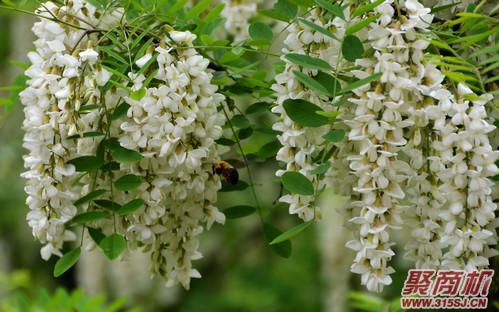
(111, 166)
(443, 7)
(128, 182)
(19, 64)
(269, 150)
(225, 142)
(334, 136)
(66, 262)
(317, 28)
(86, 163)
(198, 9)
(120, 111)
(90, 196)
(329, 82)
(260, 31)
(130, 207)
(363, 23)
(366, 8)
(458, 76)
(108, 204)
(214, 14)
(138, 95)
(92, 134)
(283, 249)
(258, 107)
(116, 55)
(113, 245)
(304, 113)
(334, 9)
(89, 216)
(487, 50)
(96, 235)
(241, 122)
(291, 233)
(239, 211)
(244, 133)
(322, 168)
(282, 10)
(308, 61)
(297, 183)
(311, 83)
(352, 48)
(124, 155)
(443, 45)
(240, 186)
(178, 5)
(358, 83)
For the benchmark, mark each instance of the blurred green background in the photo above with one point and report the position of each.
(240, 272)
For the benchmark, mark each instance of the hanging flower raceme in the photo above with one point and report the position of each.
(131, 159)
(466, 162)
(49, 106)
(175, 125)
(301, 144)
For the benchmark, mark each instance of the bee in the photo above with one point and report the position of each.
(227, 171)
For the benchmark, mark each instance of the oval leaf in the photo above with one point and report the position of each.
(108, 204)
(329, 82)
(322, 168)
(240, 186)
(124, 155)
(304, 113)
(66, 262)
(283, 249)
(113, 245)
(334, 9)
(241, 122)
(311, 83)
(89, 216)
(96, 235)
(130, 207)
(352, 48)
(87, 163)
(239, 211)
(308, 61)
(363, 23)
(366, 8)
(90, 196)
(260, 31)
(120, 111)
(291, 233)
(317, 28)
(359, 83)
(297, 183)
(128, 182)
(334, 136)
(258, 107)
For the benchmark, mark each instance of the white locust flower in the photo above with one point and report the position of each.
(387, 123)
(175, 126)
(49, 123)
(301, 144)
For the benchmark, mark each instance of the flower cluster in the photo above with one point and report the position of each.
(49, 106)
(413, 134)
(175, 126)
(301, 144)
(465, 163)
(168, 124)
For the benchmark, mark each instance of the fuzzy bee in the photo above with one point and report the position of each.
(227, 171)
